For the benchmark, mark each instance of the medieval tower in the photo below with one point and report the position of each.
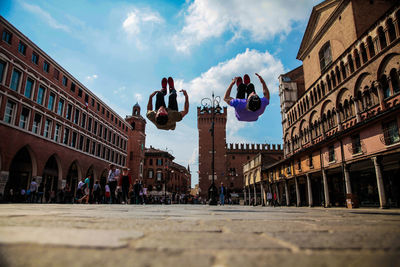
(136, 142)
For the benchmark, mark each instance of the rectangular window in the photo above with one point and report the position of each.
(57, 133)
(151, 162)
(47, 128)
(131, 155)
(79, 92)
(93, 148)
(159, 175)
(65, 81)
(159, 162)
(100, 129)
(76, 118)
(66, 136)
(87, 98)
(40, 95)
(9, 114)
(113, 140)
(73, 140)
(37, 124)
(72, 87)
(35, 58)
(89, 125)
(310, 161)
(81, 142)
(50, 105)
(16, 76)
(331, 154)
(112, 117)
(28, 88)
(87, 145)
(7, 36)
(95, 127)
(105, 133)
(391, 132)
(102, 110)
(56, 74)
(2, 69)
(22, 48)
(69, 112)
(46, 66)
(104, 153)
(83, 122)
(98, 150)
(108, 114)
(109, 136)
(24, 118)
(60, 107)
(356, 144)
(92, 102)
(98, 107)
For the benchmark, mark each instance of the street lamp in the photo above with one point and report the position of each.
(212, 105)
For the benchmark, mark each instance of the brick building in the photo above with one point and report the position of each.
(229, 158)
(161, 173)
(52, 128)
(341, 130)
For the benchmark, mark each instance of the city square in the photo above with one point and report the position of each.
(196, 235)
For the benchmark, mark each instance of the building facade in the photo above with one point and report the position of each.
(229, 158)
(341, 134)
(52, 127)
(161, 173)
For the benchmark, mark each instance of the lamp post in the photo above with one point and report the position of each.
(212, 104)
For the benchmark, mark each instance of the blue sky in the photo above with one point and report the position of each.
(120, 50)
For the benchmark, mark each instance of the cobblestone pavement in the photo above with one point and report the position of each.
(190, 235)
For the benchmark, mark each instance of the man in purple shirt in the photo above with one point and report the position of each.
(251, 107)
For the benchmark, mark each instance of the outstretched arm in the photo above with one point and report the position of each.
(186, 107)
(265, 88)
(227, 96)
(150, 104)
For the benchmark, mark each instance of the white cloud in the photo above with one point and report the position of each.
(258, 20)
(139, 18)
(45, 16)
(91, 77)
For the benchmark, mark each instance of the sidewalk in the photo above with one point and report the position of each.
(195, 235)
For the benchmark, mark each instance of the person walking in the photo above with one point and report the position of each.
(33, 188)
(125, 182)
(222, 192)
(96, 192)
(112, 179)
(275, 199)
(137, 188)
(269, 198)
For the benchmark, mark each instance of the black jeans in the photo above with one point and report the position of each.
(113, 186)
(172, 103)
(243, 89)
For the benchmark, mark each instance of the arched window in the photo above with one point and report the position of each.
(343, 70)
(391, 30)
(363, 53)
(394, 79)
(385, 86)
(346, 108)
(307, 103)
(371, 47)
(339, 79)
(382, 37)
(319, 92)
(312, 98)
(351, 65)
(328, 82)
(357, 58)
(322, 88)
(325, 56)
(333, 79)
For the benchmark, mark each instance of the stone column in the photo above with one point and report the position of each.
(340, 127)
(277, 193)
(357, 108)
(245, 197)
(287, 194)
(263, 197)
(381, 97)
(326, 189)
(255, 194)
(379, 181)
(249, 195)
(310, 198)
(347, 180)
(297, 191)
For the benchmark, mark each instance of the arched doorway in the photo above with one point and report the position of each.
(50, 179)
(19, 176)
(73, 177)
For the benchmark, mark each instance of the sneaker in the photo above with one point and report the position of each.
(164, 86)
(171, 83)
(246, 79)
(239, 81)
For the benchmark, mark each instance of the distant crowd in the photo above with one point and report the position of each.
(117, 188)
